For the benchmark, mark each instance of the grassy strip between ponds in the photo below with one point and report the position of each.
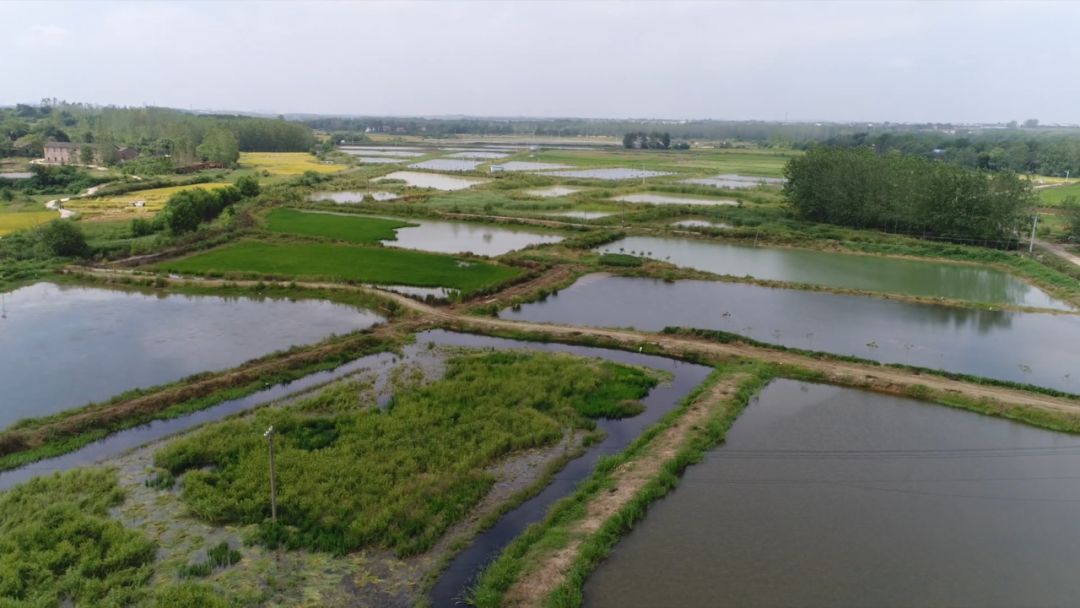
(39, 438)
(59, 546)
(352, 476)
(355, 229)
(378, 265)
(554, 531)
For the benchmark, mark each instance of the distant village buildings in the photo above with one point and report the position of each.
(70, 153)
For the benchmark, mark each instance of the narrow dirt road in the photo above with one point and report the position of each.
(1059, 251)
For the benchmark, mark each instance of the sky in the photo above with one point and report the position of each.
(800, 61)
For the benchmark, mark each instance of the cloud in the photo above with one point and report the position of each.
(44, 36)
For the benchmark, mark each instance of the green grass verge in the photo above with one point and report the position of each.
(377, 265)
(354, 229)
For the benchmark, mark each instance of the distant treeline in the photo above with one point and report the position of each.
(654, 140)
(1021, 150)
(904, 193)
(155, 132)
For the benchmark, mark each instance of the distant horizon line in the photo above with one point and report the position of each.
(526, 117)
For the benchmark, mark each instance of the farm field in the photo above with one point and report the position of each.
(356, 229)
(109, 207)
(1056, 195)
(285, 163)
(10, 221)
(383, 266)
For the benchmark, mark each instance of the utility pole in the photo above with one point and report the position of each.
(1034, 223)
(269, 434)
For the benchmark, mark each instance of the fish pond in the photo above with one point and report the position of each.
(1034, 348)
(582, 215)
(64, 347)
(461, 237)
(355, 196)
(865, 272)
(417, 179)
(663, 199)
(823, 496)
(521, 165)
(610, 173)
(446, 164)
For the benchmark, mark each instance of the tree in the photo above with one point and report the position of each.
(62, 238)
(86, 154)
(248, 186)
(219, 145)
(1031, 123)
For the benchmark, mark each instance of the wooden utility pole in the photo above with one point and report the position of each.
(269, 434)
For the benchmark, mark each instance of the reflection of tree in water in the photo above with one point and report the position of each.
(981, 321)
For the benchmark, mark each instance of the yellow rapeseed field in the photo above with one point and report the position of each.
(286, 163)
(126, 204)
(10, 222)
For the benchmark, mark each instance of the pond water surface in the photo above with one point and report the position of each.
(521, 165)
(417, 179)
(1035, 348)
(446, 164)
(397, 152)
(63, 347)
(823, 496)
(582, 215)
(867, 272)
(461, 237)
(16, 175)
(354, 196)
(611, 173)
(662, 199)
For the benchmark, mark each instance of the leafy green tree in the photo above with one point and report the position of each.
(219, 145)
(63, 238)
(86, 154)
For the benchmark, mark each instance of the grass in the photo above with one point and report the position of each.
(57, 543)
(286, 163)
(1055, 196)
(355, 229)
(12, 221)
(377, 265)
(124, 204)
(352, 476)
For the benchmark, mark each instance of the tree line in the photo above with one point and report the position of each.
(860, 188)
(653, 140)
(1019, 150)
(182, 137)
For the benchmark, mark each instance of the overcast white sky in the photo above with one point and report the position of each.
(873, 61)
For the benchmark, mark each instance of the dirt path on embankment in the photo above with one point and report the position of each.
(627, 480)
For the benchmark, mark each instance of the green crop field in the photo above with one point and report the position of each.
(355, 228)
(377, 265)
(1057, 195)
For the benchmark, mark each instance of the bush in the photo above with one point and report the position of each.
(63, 238)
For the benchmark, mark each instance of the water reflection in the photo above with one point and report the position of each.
(62, 347)
(1020, 347)
(872, 273)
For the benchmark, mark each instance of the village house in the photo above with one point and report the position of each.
(70, 153)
